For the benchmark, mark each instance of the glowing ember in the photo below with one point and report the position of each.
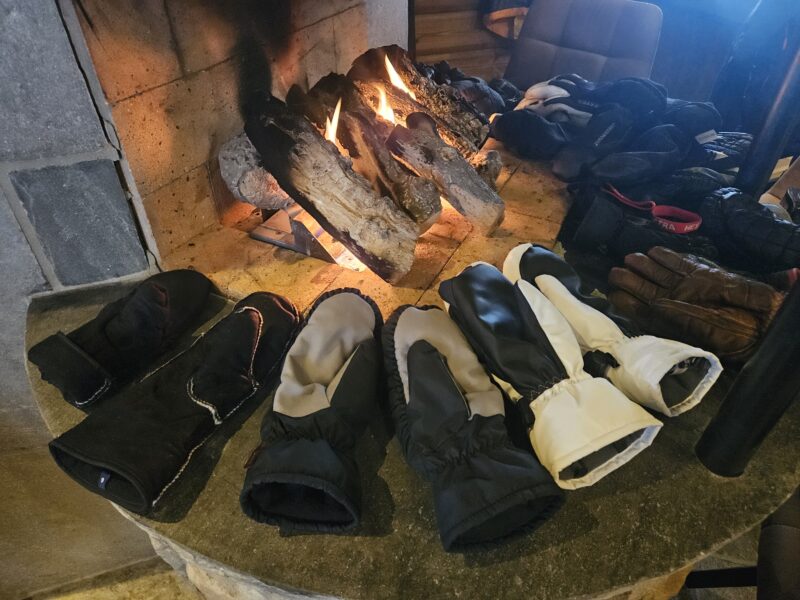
(394, 77)
(384, 110)
(331, 124)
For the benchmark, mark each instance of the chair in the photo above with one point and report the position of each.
(597, 39)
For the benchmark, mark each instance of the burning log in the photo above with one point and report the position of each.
(313, 172)
(458, 122)
(364, 136)
(419, 147)
(241, 170)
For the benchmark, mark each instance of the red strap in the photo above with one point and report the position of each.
(670, 218)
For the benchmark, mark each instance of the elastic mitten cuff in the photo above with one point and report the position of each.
(664, 375)
(303, 485)
(586, 428)
(491, 496)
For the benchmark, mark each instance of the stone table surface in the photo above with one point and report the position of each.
(654, 516)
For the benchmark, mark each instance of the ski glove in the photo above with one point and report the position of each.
(124, 339)
(449, 419)
(581, 427)
(135, 447)
(664, 375)
(304, 476)
(695, 301)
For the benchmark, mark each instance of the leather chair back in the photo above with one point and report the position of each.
(597, 39)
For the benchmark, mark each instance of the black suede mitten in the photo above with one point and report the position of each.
(125, 339)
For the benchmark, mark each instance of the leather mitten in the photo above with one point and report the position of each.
(449, 419)
(581, 427)
(304, 476)
(695, 301)
(135, 447)
(124, 339)
(664, 375)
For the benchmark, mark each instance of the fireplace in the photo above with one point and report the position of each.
(172, 80)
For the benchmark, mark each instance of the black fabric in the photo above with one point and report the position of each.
(304, 477)
(508, 91)
(502, 329)
(485, 489)
(530, 135)
(135, 446)
(126, 338)
(727, 151)
(684, 188)
(606, 132)
(693, 118)
(600, 223)
(748, 235)
(655, 153)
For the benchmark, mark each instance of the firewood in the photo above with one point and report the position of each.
(488, 164)
(313, 172)
(422, 150)
(364, 136)
(441, 102)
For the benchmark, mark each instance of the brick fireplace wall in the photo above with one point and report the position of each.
(173, 73)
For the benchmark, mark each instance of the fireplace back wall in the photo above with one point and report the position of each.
(173, 73)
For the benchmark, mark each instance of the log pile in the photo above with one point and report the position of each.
(363, 134)
(378, 184)
(313, 172)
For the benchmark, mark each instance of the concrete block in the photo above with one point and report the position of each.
(181, 210)
(83, 220)
(131, 45)
(45, 107)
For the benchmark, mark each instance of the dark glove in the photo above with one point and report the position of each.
(124, 339)
(528, 134)
(606, 223)
(581, 427)
(664, 375)
(304, 477)
(748, 235)
(135, 447)
(686, 298)
(449, 421)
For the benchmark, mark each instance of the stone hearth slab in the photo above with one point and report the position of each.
(83, 220)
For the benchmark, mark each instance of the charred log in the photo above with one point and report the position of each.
(421, 149)
(364, 136)
(488, 164)
(313, 172)
(440, 101)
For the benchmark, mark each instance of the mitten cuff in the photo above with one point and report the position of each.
(79, 378)
(303, 485)
(664, 375)
(489, 497)
(585, 428)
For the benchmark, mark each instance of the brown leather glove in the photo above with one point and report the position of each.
(686, 298)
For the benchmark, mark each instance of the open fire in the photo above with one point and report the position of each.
(401, 143)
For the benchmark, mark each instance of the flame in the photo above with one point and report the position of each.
(394, 77)
(332, 124)
(384, 110)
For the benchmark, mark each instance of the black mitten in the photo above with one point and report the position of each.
(124, 339)
(134, 447)
(304, 475)
(449, 421)
(528, 134)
